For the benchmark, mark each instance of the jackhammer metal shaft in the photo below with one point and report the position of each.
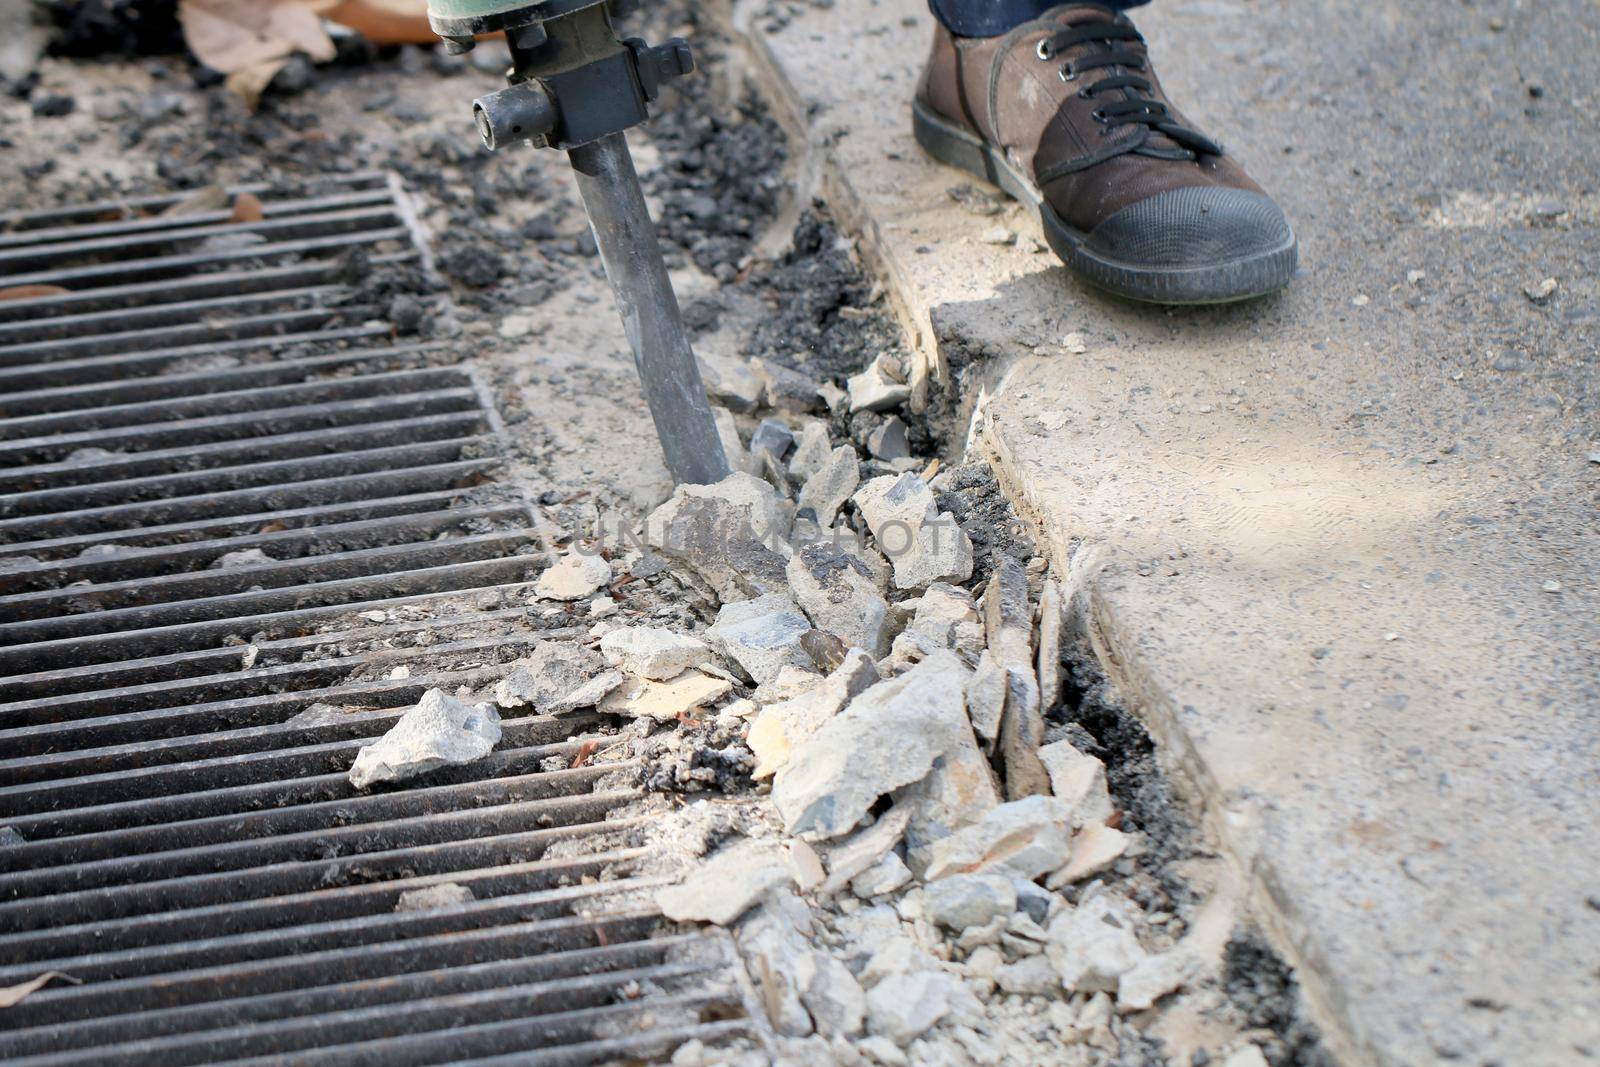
(576, 86)
(627, 241)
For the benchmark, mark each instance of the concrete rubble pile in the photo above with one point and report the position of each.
(923, 871)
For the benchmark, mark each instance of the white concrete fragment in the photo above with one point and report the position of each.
(574, 576)
(665, 701)
(440, 731)
(1025, 837)
(836, 1001)
(724, 887)
(653, 652)
(903, 1007)
(245, 557)
(739, 457)
(1029, 976)
(1155, 977)
(443, 895)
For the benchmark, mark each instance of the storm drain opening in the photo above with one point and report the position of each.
(244, 525)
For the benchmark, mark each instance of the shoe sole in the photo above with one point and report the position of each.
(1214, 283)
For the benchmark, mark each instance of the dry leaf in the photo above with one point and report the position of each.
(247, 208)
(248, 84)
(28, 292)
(211, 198)
(12, 995)
(383, 21)
(234, 36)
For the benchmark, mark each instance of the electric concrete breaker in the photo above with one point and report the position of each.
(576, 86)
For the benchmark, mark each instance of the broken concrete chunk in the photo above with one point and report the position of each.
(777, 955)
(811, 451)
(787, 390)
(761, 635)
(923, 544)
(731, 382)
(903, 1007)
(1092, 946)
(665, 701)
(825, 492)
(964, 900)
(864, 849)
(889, 441)
(875, 390)
(723, 888)
(10, 836)
(731, 533)
(986, 699)
(958, 791)
(788, 723)
(557, 677)
(1029, 976)
(788, 683)
(840, 594)
(653, 652)
(574, 576)
(885, 876)
(440, 731)
(1079, 779)
(836, 1001)
(772, 436)
(443, 895)
(1094, 848)
(1026, 837)
(1048, 657)
(1008, 626)
(887, 737)
(739, 458)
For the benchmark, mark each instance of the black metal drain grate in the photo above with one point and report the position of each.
(226, 497)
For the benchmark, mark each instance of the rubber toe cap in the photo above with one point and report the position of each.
(1195, 227)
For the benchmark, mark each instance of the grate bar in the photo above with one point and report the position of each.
(298, 226)
(262, 397)
(177, 313)
(96, 210)
(284, 973)
(156, 361)
(127, 270)
(118, 813)
(66, 236)
(176, 734)
(195, 287)
(402, 988)
(134, 674)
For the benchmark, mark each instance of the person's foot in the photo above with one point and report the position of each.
(1065, 113)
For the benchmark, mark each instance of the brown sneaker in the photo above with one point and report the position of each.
(1065, 113)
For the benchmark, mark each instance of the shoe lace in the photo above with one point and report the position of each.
(1136, 107)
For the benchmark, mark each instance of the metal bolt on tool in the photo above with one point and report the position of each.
(576, 86)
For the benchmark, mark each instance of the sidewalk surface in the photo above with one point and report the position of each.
(1338, 547)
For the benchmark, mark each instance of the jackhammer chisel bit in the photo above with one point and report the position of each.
(576, 86)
